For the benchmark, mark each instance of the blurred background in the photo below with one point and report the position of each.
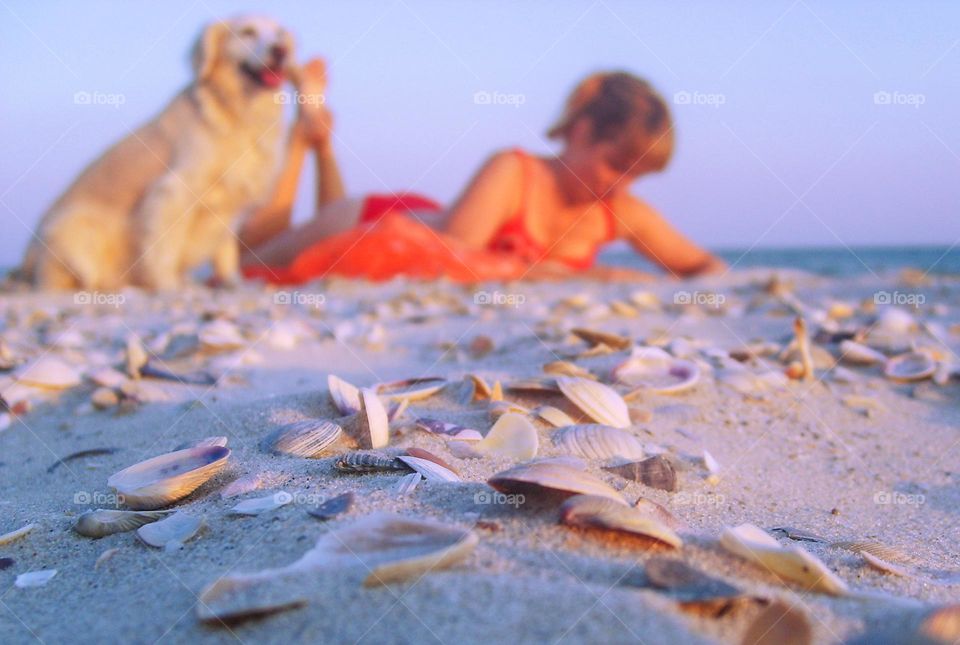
(799, 123)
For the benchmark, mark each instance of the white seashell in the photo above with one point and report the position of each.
(598, 401)
(221, 335)
(259, 505)
(100, 523)
(407, 484)
(346, 397)
(654, 369)
(512, 436)
(107, 377)
(48, 372)
(171, 532)
(13, 536)
(859, 354)
(370, 426)
(411, 389)
(594, 441)
(893, 320)
(163, 480)
(430, 470)
(552, 476)
(34, 578)
(136, 356)
(792, 563)
(250, 483)
(912, 366)
(554, 416)
(309, 438)
(602, 512)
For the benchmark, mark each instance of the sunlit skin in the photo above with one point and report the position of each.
(564, 209)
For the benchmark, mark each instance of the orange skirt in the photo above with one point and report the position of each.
(389, 242)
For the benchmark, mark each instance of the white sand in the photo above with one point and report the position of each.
(799, 457)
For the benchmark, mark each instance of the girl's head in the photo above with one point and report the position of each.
(616, 127)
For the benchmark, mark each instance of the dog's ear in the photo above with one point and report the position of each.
(206, 51)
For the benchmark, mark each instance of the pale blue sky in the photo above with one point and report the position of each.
(797, 153)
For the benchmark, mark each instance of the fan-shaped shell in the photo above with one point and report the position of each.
(309, 438)
(595, 441)
(598, 401)
(100, 523)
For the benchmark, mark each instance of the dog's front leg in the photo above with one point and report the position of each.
(163, 224)
(226, 262)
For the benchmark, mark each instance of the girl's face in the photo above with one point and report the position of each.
(594, 164)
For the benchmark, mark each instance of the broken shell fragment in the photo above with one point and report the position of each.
(566, 368)
(594, 337)
(172, 532)
(651, 368)
(412, 389)
(655, 472)
(598, 401)
(309, 438)
(594, 441)
(431, 470)
(912, 366)
(333, 507)
(791, 563)
(407, 484)
(221, 335)
(34, 578)
(100, 523)
(259, 505)
(552, 477)
(13, 536)
(512, 436)
(163, 480)
(451, 430)
(693, 589)
(859, 354)
(554, 416)
(601, 512)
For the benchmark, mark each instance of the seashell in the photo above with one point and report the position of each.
(876, 549)
(34, 578)
(598, 401)
(779, 624)
(370, 426)
(602, 512)
(791, 563)
(346, 397)
(414, 389)
(233, 598)
(333, 507)
(712, 466)
(481, 387)
(912, 366)
(204, 443)
(6, 563)
(803, 347)
(566, 368)
(104, 557)
(155, 371)
(172, 532)
(653, 369)
(450, 430)
(496, 393)
(655, 472)
(651, 509)
(595, 337)
(431, 470)
(309, 438)
(13, 536)
(497, 409)
(101, 523)
(420, 453)
(554, 416)
(104, 398)
(368, 462)
(884, 566)
(48, 372)
(594, 441)
(942, 624)
(135, 356)
(512, 436)
(550, 476)
(691, 588)
(259, 505)
(407, 484)
(621, 308)
(107, 377)
(163, 480)
(396, 410)
(859, 354)
(221, 335)
(534, 385)
(144, 392)
(250, 483)
(895, 321)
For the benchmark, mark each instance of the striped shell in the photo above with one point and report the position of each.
(309, 438)
(594, 441)
(598, 401)
(100, 523)
(368, 462)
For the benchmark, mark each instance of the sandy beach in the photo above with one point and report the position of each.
(842, 455)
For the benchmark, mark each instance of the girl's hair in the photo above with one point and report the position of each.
(627, 111)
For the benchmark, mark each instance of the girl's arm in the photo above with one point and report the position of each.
(651, 235)
(489, 199)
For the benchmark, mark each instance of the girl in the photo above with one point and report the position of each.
(521, 216)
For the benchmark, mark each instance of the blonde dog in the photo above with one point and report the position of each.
(168, 197)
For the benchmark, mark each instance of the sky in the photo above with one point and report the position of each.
(798, 122)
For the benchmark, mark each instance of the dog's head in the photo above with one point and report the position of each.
(253, 47)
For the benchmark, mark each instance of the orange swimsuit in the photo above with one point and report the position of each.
(391, 239)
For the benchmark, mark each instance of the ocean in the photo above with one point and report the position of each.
(829, 261)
